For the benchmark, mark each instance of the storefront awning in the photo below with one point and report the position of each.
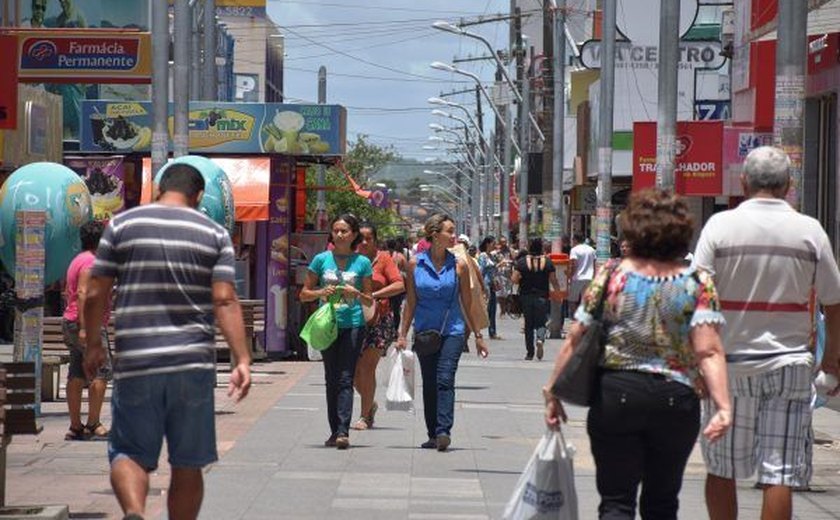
(249, 178)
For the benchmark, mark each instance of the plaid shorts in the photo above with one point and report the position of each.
(771, 429)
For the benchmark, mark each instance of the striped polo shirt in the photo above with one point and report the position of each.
(766, 259)
(164, 260)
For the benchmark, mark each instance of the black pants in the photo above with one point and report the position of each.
(642, 428)
(535, 310)
(339, 369)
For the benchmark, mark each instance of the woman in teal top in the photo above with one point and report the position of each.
(344, 271)
(437, 288)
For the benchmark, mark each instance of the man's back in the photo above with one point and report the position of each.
(766, 258)
(164, 260)
(584, 257)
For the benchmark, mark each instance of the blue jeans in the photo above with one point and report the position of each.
(438, 371)
(176, 405)
(339, 368)
(491, 312)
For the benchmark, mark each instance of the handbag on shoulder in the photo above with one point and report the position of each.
(577, 382)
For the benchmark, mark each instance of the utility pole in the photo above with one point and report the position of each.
(208, 73)
(605, 127)
(195, 52)
(790, 90)
(558, 118)
(666, 124)
(321, 200)
(558, 68)
(183, 23)
(160, 83)
(521, 81)
(504, 175)
(487, 162)
(490, 187)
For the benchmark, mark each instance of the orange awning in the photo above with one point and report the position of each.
(249, 178)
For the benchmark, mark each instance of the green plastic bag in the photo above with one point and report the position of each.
(321, 329)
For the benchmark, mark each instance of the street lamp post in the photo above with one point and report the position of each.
(448, 27)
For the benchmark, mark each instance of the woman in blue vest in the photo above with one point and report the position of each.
(437, 288)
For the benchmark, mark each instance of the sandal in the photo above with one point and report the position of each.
(75, 434)
(373, 408)
(96, 431)
(362, 424)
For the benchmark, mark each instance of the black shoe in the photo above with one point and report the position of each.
(330, 442)
(429, 444)
(443, 442)
(529, 357)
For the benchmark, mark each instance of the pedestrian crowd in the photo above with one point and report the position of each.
(721, 348)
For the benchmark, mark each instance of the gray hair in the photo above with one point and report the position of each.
(767, 168)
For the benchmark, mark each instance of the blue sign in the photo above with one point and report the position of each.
(220, 127)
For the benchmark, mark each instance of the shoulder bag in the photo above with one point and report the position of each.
(428, 342)
(577, 382)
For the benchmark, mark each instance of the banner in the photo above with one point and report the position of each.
(8, 82)
(90, 56)
(104, 177)
(220, 127)
(699, 161)
(277, 283)
(738, 142)
(80, 14)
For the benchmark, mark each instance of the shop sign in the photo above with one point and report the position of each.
(94, 55)
(8, 82)
(699, 161)
(238, 8)
(219, 127)
(822, 52)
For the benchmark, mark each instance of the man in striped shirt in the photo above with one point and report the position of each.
(174, 272)
(767, 261)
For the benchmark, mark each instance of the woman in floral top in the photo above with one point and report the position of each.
(662, 352)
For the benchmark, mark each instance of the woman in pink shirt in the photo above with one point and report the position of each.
(78, 275)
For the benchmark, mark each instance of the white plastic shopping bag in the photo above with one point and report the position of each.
(383, 368)
(400, 393)
(314, 355)
(546, 489)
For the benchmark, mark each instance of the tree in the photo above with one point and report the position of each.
(362, 159)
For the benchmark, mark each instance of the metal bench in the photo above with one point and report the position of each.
(17, 409)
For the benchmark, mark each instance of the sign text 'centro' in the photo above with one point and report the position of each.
(627, 55)
(120, 54)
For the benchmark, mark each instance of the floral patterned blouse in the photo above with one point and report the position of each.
(649, 318)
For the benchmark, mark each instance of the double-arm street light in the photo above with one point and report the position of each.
(447, 177)
(454, 29)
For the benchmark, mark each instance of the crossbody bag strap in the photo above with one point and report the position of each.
(599, 310)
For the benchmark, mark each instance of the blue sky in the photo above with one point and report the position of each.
(377, 54)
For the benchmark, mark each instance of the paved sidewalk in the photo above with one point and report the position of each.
(274, 466)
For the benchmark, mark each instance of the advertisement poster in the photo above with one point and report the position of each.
(277, 290)
(104, 177)
(699, 161)
(737, 143)
(220, 127)
(128, 14)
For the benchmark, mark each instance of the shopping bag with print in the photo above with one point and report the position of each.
(400, 393)
(383, 368)
(546, 489)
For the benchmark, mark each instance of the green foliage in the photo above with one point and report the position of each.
(362, 159)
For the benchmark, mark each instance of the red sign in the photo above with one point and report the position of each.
(92, 55)
(699, 163)
(8, 82)
(822, 52)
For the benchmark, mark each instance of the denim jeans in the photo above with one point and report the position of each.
(438, 371)
(535, 310)
(339, 368)
(642, 428)
(491, 312)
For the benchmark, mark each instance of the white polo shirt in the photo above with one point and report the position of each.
(766, 258)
